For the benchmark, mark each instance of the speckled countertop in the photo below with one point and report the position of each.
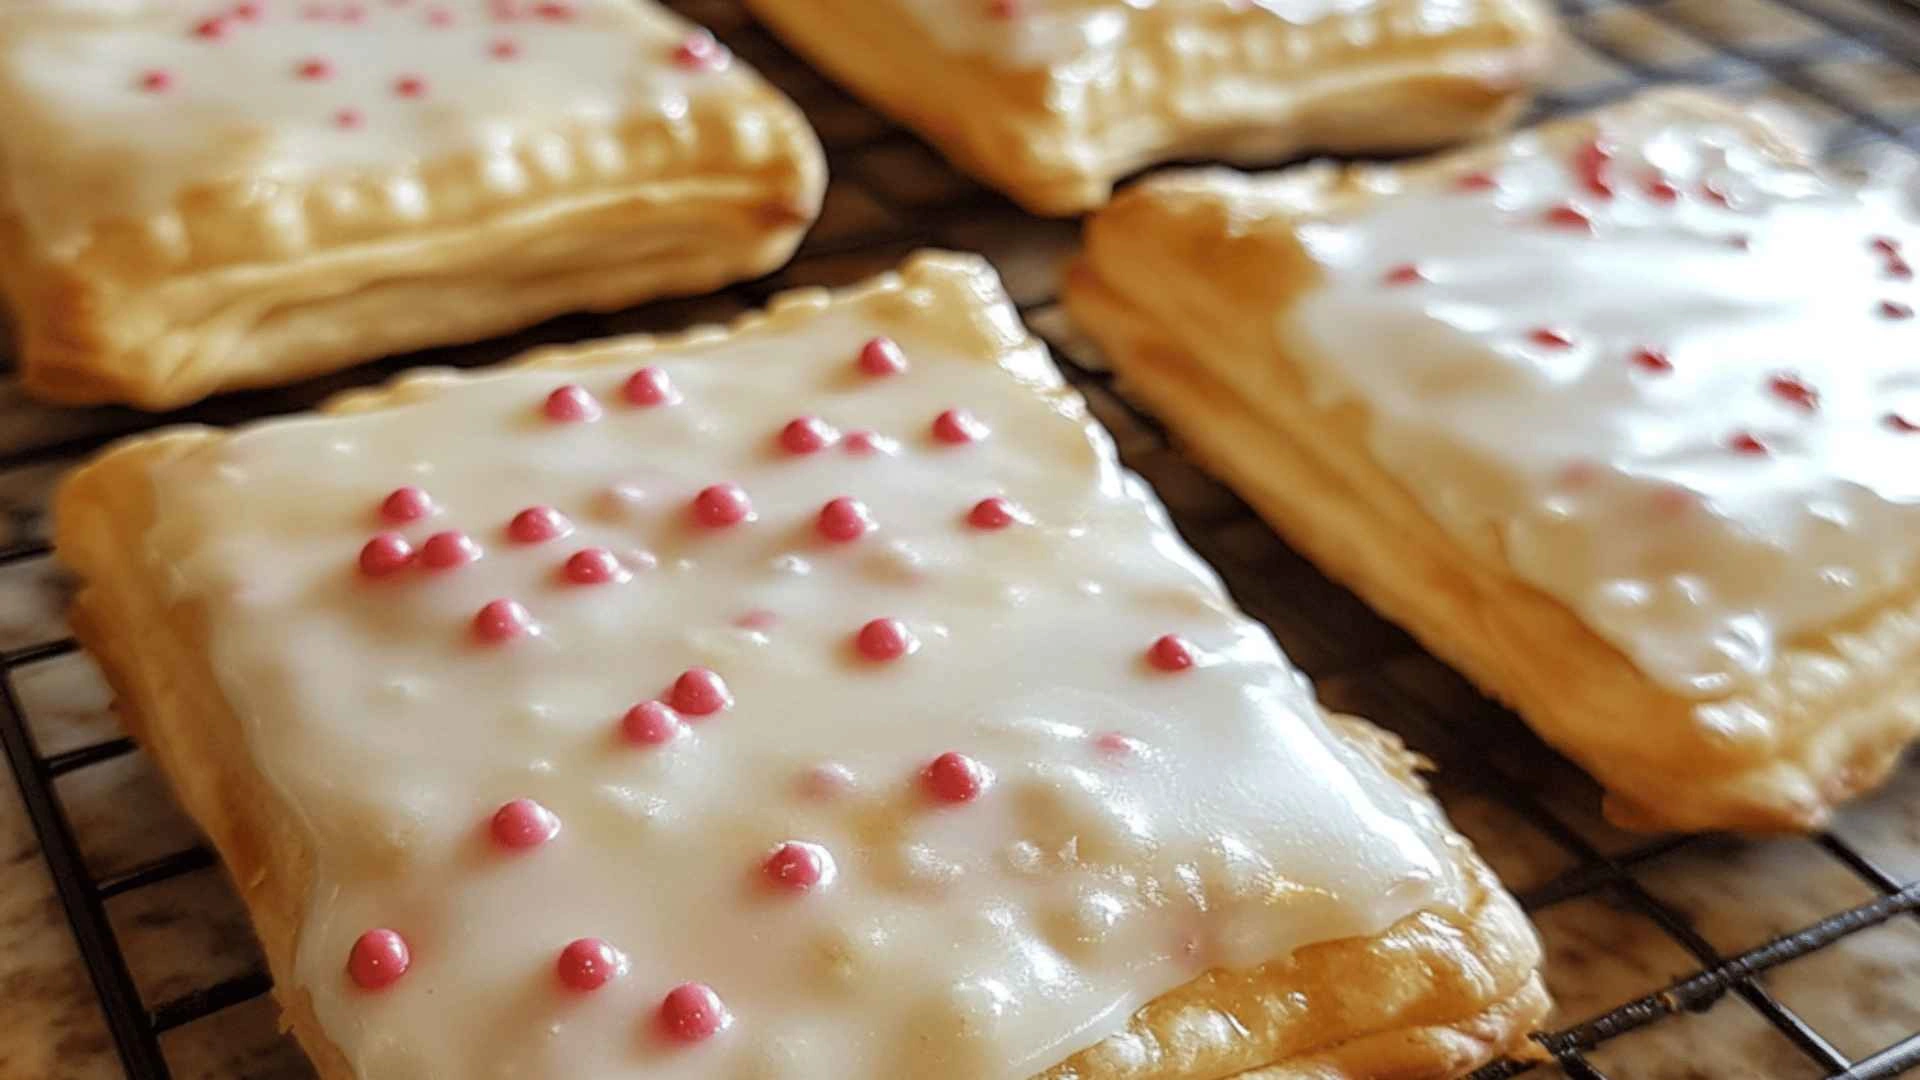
(890, 195)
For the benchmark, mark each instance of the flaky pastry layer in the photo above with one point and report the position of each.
(1201, 264)
(1434, 996)
(256, 280)
(1220, 81)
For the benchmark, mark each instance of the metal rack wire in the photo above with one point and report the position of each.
(876, 214)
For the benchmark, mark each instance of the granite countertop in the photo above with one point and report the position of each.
(189, 931)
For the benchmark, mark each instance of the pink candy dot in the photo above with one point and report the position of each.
(650, 386)
(1653, 360)
(410, 86)
(1114, 744)
(722, 505)
(314, 69)
(523, 824)
(378, 959)
(692, 1012)
(246, 11)
(1894, 309)
(995, 513)
(1550, 338)
(502, 621)
(881, 356)
(554, 10)
(1794, 390)
(807, 435)
(650, 723)
(844, 519)
(798, 866)
(537, 524)
(446, 550)
(1404, 274)
(348, 118)
(757, 619)
(439, 17)
(212, 29)
(954, 777)
(698, 51)
(868, 443)
(156, 81)
(504, 49)
(594, 566)
(886, 639)
(406, 504)
(589, 964)
(700, 692)
(1745, 442)
(571, 404)
(957, 427)
(1477, 181)
(1171, 652)
(1569, 217)
(387, 553)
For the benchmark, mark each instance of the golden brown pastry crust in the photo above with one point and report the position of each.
(1204, 261)
(1436, 995)
(1239, 85)
(224, 289)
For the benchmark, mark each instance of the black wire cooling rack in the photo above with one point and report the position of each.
(1851, 68)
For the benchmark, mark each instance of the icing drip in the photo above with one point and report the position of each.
(1671, 415)
(892, 792)
(111, 116)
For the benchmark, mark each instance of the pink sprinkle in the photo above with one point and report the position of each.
(1746, 442)
(1662, 189)
(886, 639)
(1794, 390)
(1405, 274)
(410, 86)
(1894, 309)
(1886, 245)
(1654, 360)
(1114, 744)
(594, 566)
(1170, 652)
(314, 69)
(378, 959)
(1477, 181)
(692, 1013)
(246, 11)
(1716, 192)
(869, 443)
(504, 49)
(405, 504)
(1568, 216)
(446, 550)
(1898, 268)
(844, 519)
(1591, 161)
(588, 964)
(881, 356)
(957, 427)
(757, 619)
(388, 553)
(538, 524)
(650, 386)
(954, 777)
(828, 781)
(700, 692)
(211, 29)
(502, 621)
(523, 824)
(348, 118)
(807, 435)
(996, 513)
(1550, 338)
(650, 723)
(1901, 424)
(722, 505)
(439, 17)
(156, 81)
(700, 52)
(798, 867)
(571, 404)
(554, 11)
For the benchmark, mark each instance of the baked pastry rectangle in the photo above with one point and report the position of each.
(1052, 101)
(210, 195)
(829, 663)
(1619, 416)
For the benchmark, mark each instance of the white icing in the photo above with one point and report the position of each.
(985, 941)
(1576, 461)
(1038, 33)
(88, 140)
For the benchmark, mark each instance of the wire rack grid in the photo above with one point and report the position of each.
(1850, 68)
